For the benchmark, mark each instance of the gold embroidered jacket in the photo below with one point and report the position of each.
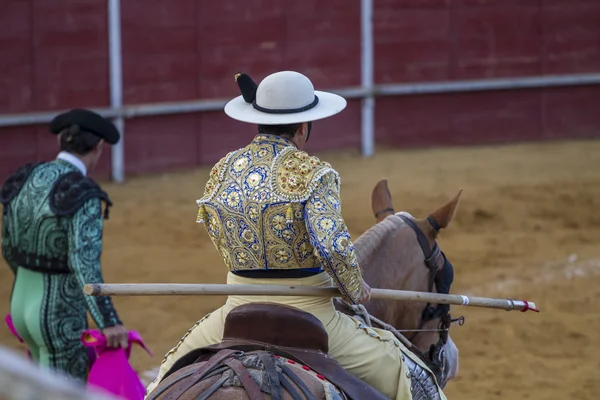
(271, 206)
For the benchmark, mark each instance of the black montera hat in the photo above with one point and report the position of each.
(88, 121)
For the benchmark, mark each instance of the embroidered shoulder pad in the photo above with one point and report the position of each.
(216, 176)
(72, 190)
(296, 174)
(15, 182)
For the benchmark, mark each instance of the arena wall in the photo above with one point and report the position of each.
(54, 55)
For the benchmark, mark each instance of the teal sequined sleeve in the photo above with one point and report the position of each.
(6, 248)
(85, 248)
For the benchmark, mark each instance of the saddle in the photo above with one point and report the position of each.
(282, 331)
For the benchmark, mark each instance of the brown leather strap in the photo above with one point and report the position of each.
(190, 381)
(271, 371)
(252, 389)
(296, 379)
(213, 388)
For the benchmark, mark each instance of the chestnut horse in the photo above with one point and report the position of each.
(399, 252)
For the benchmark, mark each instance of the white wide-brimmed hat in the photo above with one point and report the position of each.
(285, 97)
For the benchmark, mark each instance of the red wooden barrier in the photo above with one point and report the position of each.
(53, 54)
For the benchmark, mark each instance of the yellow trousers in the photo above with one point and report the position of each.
(372, 355)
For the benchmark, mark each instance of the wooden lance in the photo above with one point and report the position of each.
(182, 289)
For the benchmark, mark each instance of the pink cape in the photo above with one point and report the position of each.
(111, 370)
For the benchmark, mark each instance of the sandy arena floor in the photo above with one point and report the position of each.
(528, 227)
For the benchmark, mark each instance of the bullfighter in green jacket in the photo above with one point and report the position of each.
(52, 226)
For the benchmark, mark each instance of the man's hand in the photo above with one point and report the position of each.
(116, 336)
(365, 294)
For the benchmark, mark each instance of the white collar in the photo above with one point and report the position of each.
(71, 159)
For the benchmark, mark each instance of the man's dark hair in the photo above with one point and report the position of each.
(279, 130)
(77, 141)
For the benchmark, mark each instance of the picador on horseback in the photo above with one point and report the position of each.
(273, 213)
(52, 224)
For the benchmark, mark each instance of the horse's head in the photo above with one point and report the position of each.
(404, 255)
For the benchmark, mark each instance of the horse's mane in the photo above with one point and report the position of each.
(367, 243)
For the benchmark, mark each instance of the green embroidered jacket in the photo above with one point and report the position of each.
(52, 223)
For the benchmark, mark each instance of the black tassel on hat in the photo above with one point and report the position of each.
(247, 87)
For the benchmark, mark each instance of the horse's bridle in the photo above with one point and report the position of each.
(436, 356)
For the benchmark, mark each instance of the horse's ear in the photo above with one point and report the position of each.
(381, 201)
(444, 215)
